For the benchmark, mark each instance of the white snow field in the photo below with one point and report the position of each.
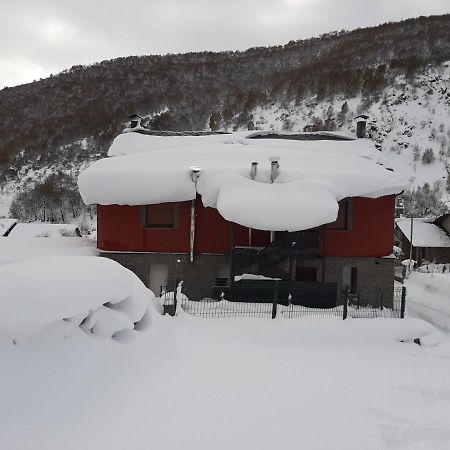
(313, 176)
(429, 297)
(190, 383)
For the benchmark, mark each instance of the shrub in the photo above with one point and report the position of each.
(428, 156)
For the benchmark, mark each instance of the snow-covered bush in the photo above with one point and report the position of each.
(424, 201)
(428, 156)
(96, 294)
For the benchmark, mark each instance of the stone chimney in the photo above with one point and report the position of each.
(135, 121)
(361, 125)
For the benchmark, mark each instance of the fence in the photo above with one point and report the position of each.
(281, 300)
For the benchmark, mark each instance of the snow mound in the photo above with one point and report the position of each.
(97, 294)
(313, 177)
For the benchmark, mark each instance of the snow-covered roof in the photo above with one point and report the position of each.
(6, 225)
(313, 176)
(44, 229)
(425, 233)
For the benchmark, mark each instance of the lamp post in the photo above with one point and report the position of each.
(411, 243)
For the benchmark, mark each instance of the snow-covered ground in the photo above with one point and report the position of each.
(429, 297)
(186, 382)
(189, 383)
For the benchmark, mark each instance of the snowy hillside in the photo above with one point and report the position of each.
(54, 127)
(410, 116)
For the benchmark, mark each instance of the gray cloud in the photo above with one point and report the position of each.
(39, 38)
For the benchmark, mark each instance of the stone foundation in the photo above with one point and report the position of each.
(198, 276)
(375, 275)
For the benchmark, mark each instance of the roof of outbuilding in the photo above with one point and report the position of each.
(425, 233)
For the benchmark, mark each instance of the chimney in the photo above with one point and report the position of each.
(253, 170)
(275, 167)
(135, 121)
(361, 123)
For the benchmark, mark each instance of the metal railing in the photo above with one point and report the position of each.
(279, 300)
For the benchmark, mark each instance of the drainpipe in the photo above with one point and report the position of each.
(195, 173)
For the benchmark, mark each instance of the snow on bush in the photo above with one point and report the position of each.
(97, 294)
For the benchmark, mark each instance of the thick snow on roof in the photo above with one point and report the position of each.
(44, 229)
(425, 233)
(313, 176)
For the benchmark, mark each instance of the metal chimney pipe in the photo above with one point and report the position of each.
(253, 170)
(135, 121)
(274, 167)
(361, 125)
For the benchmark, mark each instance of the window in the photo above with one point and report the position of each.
(354, 280)
(350, 279)
(343, 219)
(303, 273)
(162, 215)
(222, 275)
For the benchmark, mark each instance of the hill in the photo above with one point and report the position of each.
(396, 72)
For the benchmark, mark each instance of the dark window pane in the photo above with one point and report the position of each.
(303, 273)
(354, 280)
(161, 215)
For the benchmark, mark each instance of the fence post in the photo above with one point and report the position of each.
(381, 301)
(275, 299)
(345, 298)
(403, 305)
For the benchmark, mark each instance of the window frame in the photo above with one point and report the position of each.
(144, 216)
(348, 219)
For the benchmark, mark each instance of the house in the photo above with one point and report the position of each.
(430, 238)
(205, 208)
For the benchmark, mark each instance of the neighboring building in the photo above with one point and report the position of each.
(44, 230)
(430, 239)
(315, 208)
(6, 225)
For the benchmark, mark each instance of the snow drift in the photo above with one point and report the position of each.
(313, 177)
(97, 294)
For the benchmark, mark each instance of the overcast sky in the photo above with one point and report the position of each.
(39, 37)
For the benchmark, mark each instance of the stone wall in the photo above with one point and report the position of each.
(375, 275)
(198, 277)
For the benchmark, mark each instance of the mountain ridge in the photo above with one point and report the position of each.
(62, 123)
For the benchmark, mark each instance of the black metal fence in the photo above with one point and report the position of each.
(282, 300)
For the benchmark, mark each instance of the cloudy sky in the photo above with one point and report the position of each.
(40, 37)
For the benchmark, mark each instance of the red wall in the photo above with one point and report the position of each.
(120, 229)
(371, 231)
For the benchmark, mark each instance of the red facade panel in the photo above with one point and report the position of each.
(121, 228)
(371, 232)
